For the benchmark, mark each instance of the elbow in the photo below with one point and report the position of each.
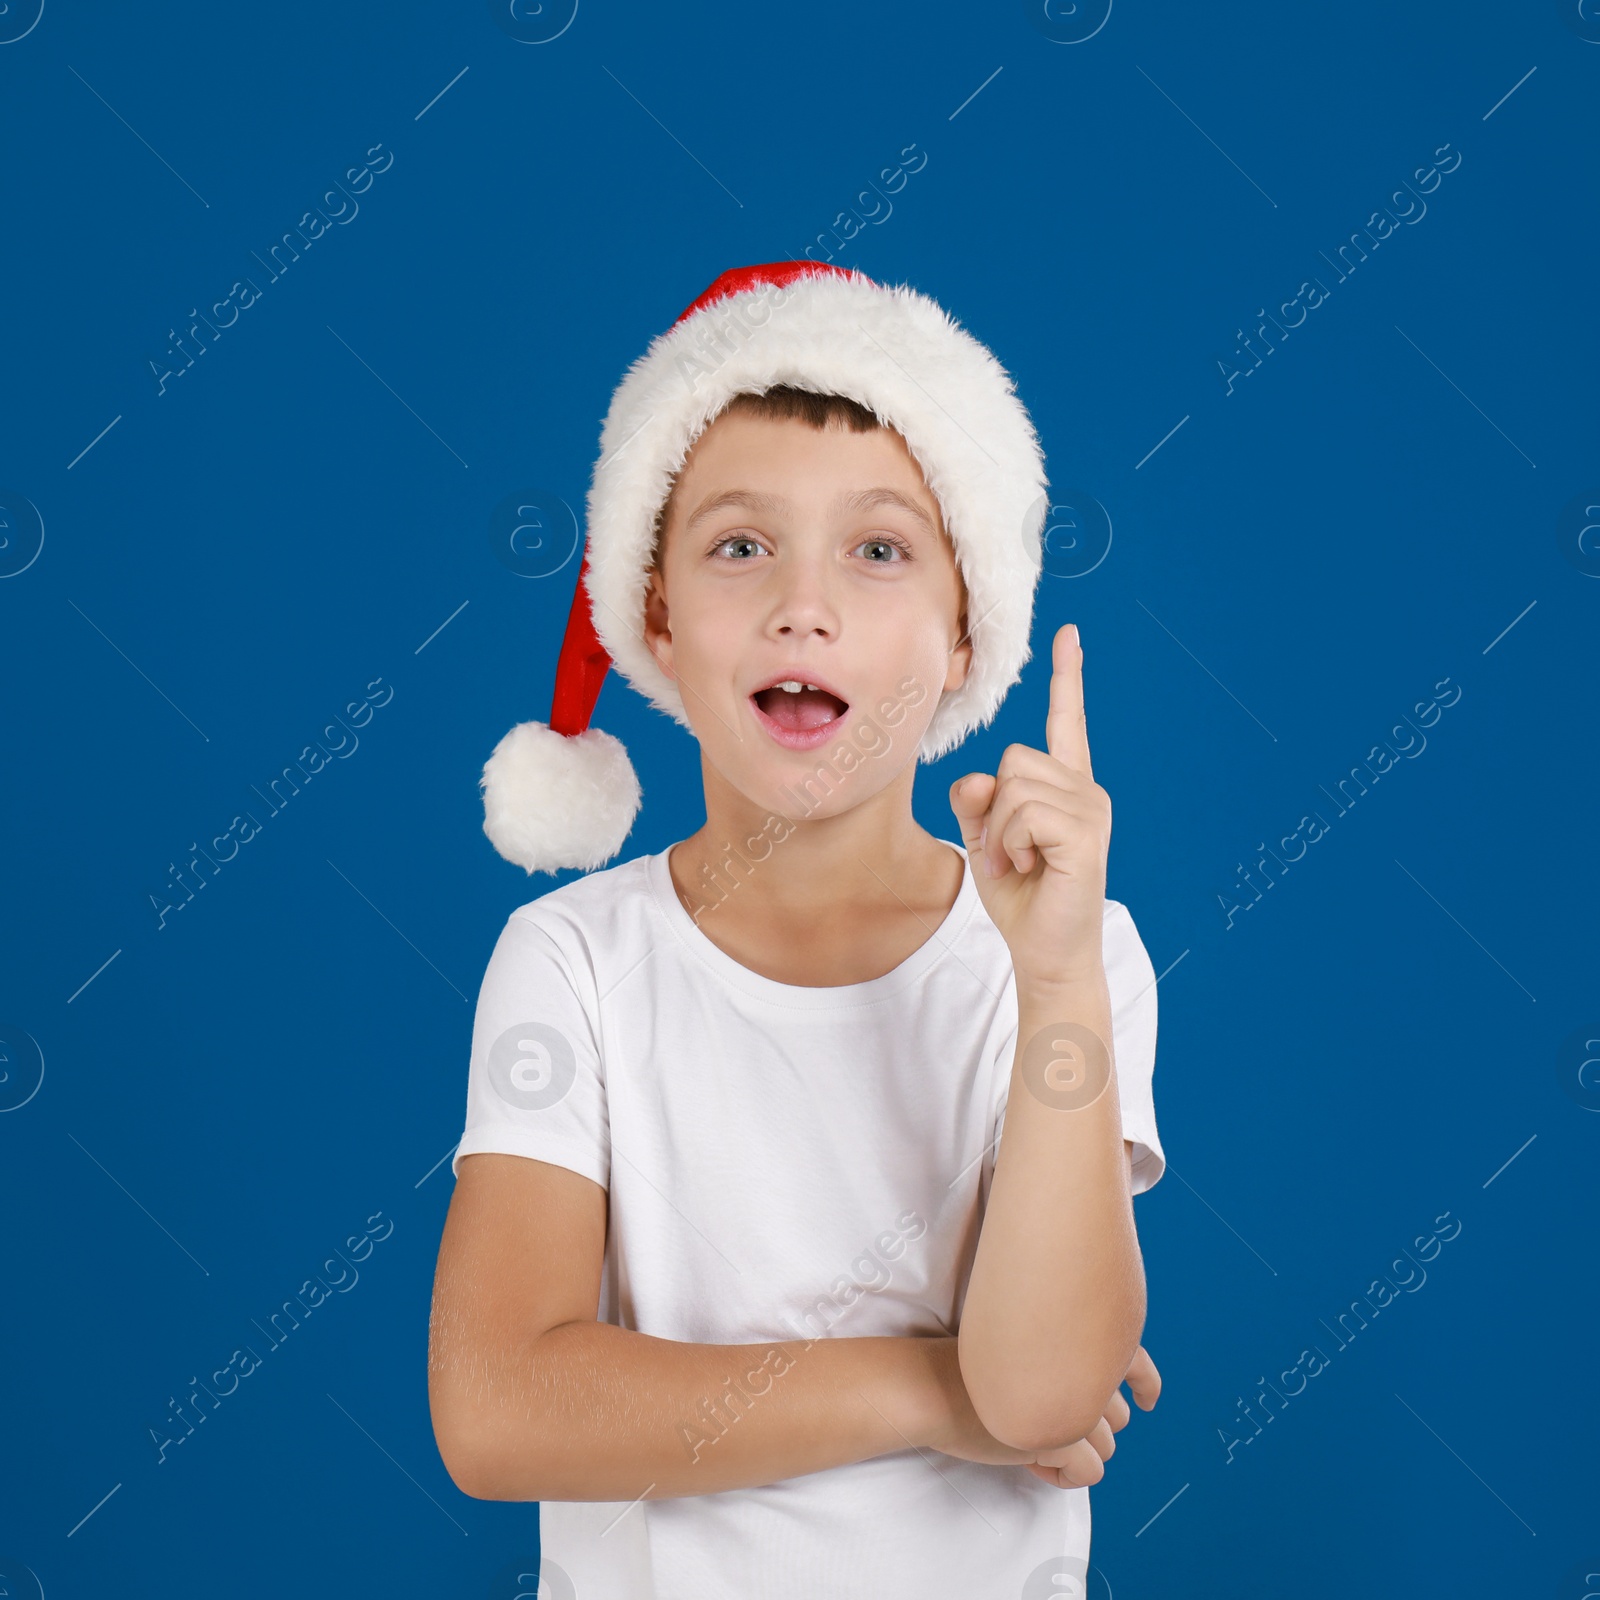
(1037, 1423)
(470, 1425)
(465, 1434)
(478, 1474)
(456, 1430)
(468, 1482)
(1040, 1406)
(1027, 1410)
(464, 1460)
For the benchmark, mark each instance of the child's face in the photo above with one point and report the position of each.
(784, 558)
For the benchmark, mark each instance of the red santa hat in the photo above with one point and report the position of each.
(562, 794)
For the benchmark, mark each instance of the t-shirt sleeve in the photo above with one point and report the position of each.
(1131, 980)
(536, 1079)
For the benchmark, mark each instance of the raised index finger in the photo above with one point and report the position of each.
(1066, 731)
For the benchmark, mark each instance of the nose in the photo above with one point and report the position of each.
(805, 601)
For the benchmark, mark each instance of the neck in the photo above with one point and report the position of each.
(788, 859)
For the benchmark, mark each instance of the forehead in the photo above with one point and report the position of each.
(804, 465)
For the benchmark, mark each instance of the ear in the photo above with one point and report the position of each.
(657, 631)
(960, 657)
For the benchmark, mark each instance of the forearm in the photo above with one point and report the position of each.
(1056, 1300)
(596, 1412)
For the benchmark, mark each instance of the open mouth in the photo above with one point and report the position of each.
(799, 714)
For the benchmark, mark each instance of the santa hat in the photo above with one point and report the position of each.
(562, 794)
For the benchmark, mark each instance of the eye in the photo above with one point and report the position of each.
(886, 542)
(738, 539)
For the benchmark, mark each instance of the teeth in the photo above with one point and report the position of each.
(793, 686)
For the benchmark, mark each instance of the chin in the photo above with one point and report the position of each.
(815, 785)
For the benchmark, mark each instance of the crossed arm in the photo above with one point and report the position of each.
(533, 1399)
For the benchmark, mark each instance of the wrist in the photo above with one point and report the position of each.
(918, 1397)
(1063, 993)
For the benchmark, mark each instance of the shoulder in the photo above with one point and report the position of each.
(591, 894)
(591, 914)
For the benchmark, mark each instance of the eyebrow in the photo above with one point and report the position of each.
(860, 500)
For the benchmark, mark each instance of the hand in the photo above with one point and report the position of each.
(1076, 1465)
(1072, 1465)
(1044, 825)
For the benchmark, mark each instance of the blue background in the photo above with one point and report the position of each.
(1380, 1040)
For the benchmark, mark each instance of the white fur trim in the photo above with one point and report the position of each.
(552, 801)
(897, 353)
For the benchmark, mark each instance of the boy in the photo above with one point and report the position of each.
(738, 1279)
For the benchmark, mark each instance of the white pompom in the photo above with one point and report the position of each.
(551, 801)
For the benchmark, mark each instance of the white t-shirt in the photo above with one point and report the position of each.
(783, 1163)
